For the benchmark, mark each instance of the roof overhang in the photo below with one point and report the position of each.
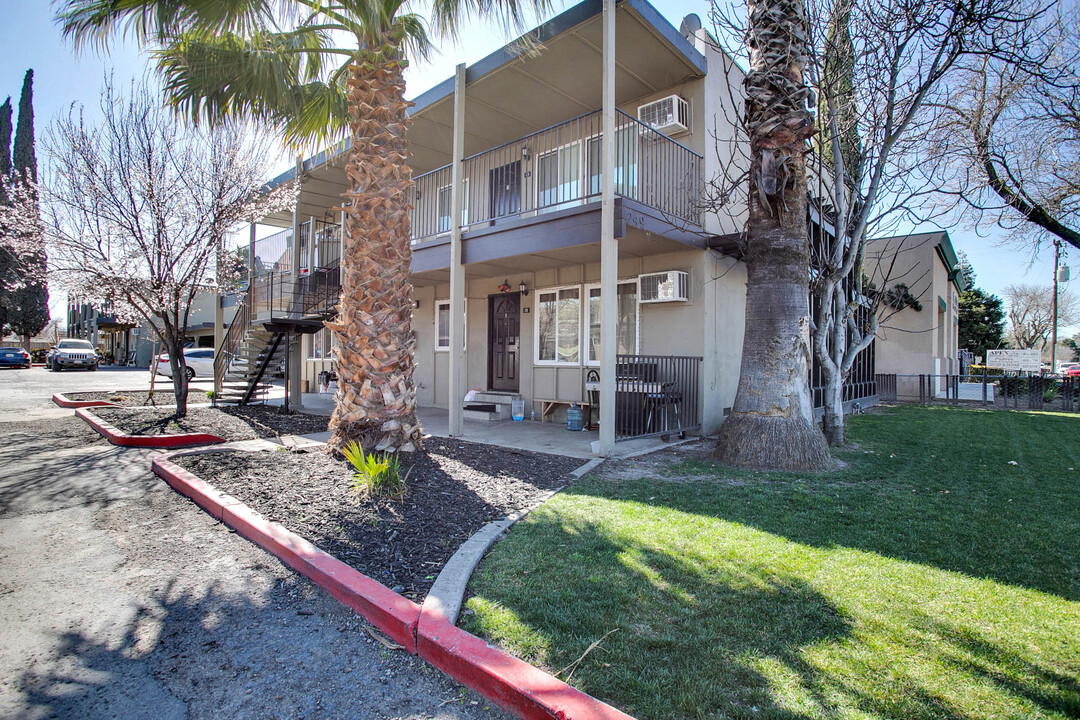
(548, 76)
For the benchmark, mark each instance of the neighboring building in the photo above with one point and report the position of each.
(132, 344)
(531, 226)
(918, 341)
(115, 340)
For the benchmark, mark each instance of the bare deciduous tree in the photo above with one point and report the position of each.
(877, 68)
(1007, 139)
(1031, 313)
(137, 208)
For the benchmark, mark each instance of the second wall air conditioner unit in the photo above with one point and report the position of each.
(670, 286)
(670, 115)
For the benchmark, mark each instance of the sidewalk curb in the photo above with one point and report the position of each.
(507, 681)
(63, 401)
(116, 437)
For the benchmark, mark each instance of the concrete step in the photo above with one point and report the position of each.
(495, 398)
(485, 416)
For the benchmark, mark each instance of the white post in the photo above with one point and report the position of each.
(311, 246)
(295, 365)
(456, 393)
(609, 247)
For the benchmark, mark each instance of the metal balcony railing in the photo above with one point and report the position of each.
(559, 167)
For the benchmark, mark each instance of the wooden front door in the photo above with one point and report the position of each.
(504, 338)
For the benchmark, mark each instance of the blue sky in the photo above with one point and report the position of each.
(30, 39)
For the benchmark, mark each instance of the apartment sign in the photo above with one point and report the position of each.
(1018, 360)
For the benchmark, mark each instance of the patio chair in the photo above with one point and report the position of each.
(666, 401)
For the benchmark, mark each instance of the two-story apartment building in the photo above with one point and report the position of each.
(536, 257)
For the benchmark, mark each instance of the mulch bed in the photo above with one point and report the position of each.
(163, 397)
(230, 422)
(454, 489)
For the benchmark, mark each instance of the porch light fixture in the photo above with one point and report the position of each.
(416, 304)
(524, 290)
(525, 153)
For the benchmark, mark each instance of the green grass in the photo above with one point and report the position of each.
(928, 579)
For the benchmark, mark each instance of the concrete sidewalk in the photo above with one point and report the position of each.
(549, 437)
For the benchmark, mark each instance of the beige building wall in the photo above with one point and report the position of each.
(914, 342)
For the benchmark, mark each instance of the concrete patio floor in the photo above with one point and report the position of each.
(549, 437)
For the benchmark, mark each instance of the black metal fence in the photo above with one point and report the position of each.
(559, 167)
(1011, 391)
(657, 395)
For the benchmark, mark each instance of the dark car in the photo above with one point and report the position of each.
(71, 354)
(14, 357)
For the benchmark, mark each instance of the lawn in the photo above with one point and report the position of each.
(930, 578)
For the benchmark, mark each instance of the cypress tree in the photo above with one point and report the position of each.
(31, 312)
(5, 257)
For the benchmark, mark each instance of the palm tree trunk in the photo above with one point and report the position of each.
(376, 402)
(771, 424)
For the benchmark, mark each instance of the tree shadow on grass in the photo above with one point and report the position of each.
(931, 487)
(722, 630)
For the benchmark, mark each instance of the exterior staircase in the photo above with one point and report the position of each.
(276, 307)
(247, 377)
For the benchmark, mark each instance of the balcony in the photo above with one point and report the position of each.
(559, 168)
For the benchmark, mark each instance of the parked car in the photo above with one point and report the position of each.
(1072, 372)
(38, 355)
(14, 357)
(199, 362)
(72, 353)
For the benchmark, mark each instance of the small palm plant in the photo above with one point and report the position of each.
(377, 474)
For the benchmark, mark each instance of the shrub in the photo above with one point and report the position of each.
(376, 474)
(981, 370)
(1051, 391)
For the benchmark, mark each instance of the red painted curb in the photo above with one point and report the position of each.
(391, 613)
(511, 683)
(64, 402)
(116, 437)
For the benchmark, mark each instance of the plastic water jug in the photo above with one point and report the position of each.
(574, 418)
(517, 409)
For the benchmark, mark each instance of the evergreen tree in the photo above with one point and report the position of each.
(30, 313)
(5, 258)
(982, 321)
(839, 87)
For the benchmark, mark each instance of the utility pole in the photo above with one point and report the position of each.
(1053, 335)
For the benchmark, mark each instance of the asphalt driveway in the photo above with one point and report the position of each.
(122, 599)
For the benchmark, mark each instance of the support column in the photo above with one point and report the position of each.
(609, 247)
(251, 255)
(311, 246)
(295, 365)
(456, 395)
(219, 335)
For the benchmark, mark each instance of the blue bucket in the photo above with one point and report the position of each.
(574, 418)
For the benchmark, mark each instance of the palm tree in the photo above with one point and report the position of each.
(772, 422)
(281, 62)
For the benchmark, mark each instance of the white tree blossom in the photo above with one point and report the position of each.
(136, 209)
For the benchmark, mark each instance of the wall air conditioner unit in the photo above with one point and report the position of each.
(670, 286)
(670, 115)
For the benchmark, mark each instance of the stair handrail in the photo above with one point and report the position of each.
(234, 335)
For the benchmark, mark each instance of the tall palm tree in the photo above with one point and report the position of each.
(771, 423)
(314, 69)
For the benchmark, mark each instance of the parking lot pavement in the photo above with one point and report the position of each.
(122, 599)
(26, 394)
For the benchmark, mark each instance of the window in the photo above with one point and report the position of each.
(322, 344)
(558, 326)
(445, 200)
(626, 157)
(559, 176)
(626, 333)
(442, 322)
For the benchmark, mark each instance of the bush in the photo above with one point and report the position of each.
(376, 474)
(981, 370)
